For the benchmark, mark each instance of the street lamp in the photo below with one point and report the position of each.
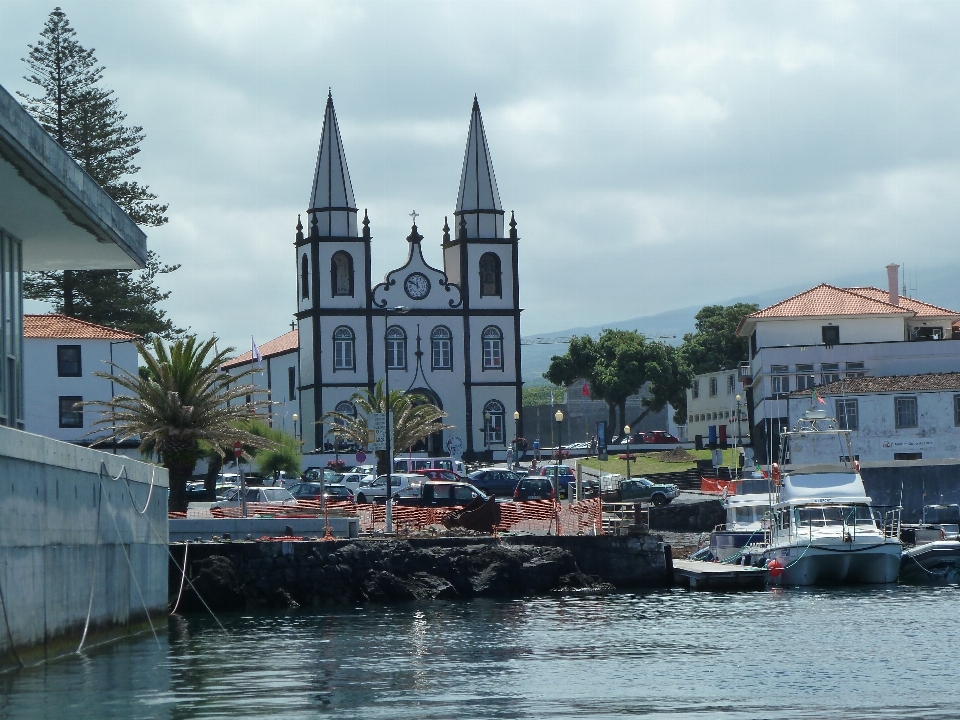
(388, 515)
(626, 431)
(516, 433)
(558, 416)
(295, 419)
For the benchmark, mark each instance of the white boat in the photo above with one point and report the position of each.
(824, 530)
(746, 527)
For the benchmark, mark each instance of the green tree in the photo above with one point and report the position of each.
(85, 119)
(414, 419)
(715, 345)
(285, 455)
(181, 405)
(617, 365)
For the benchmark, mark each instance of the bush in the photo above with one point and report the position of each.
(337, 465)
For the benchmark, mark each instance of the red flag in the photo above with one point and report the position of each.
(586, 390)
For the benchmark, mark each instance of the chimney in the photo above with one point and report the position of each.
(893, 285)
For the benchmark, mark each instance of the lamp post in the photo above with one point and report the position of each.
(112, 407)
(558, 416)
(295, 419)
(516, 433)
(388, 515)
(626, 431)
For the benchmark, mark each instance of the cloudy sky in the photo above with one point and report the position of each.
(657, 154)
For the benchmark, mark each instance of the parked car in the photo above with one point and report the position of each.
(534, 487)
(564, 478)
(434, 493)
(640, 489)
(652, 437)
(354, 480)
(312, 491)
(268, 495)
(496, 482)
(377, 490)
(410, 465)
(436, 474)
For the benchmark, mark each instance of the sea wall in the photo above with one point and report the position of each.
(251, 574)
(69, 531)
(912, 483)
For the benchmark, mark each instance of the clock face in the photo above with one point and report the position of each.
(417, 285)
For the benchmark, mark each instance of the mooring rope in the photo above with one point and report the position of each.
(96, 558)
(183, 577)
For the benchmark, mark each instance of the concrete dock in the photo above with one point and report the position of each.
(699, 575)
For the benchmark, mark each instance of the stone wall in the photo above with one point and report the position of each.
(67, 525)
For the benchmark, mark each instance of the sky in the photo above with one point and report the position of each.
(658, 155)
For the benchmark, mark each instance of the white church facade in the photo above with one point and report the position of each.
(450, 334)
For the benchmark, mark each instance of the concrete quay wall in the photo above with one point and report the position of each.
(250, 574)
(68, 529)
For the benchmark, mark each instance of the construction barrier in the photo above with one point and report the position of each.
(533, 516)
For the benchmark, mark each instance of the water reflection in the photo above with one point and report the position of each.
(873, 652)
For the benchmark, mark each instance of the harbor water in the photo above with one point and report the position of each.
(880, 652)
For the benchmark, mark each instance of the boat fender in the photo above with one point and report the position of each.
(856, 465)
(775, 568)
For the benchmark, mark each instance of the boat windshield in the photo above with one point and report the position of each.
(828, 515)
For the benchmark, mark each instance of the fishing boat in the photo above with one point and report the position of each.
(823, 528)
(746, 526)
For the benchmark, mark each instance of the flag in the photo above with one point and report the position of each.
(816, 396)
(586, 390)
(255, 352)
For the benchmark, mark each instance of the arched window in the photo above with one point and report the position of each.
(344, 349)
(493, 423)
(490, 275)
(441, 347)
(396, 348)
(345, 407)
(304, 277)
(341, 274)
(492, 348)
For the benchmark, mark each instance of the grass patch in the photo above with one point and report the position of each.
(645, 465)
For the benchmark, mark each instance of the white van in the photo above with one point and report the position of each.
(411, 465)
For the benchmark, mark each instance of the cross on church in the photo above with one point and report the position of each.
(414, 215)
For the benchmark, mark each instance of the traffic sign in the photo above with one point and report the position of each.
(377, 422)
(237, 449)
(361, 456)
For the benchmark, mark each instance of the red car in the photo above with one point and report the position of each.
(440, 474)
(654, 437)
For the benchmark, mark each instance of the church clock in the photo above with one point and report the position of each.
(417, 286)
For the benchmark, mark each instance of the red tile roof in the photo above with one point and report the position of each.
(894, 383)
(825, 300)
(921, 309)
(61, 326)
(282, 345)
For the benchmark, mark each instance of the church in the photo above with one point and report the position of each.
(451, 334)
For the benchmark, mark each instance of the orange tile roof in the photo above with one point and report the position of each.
(62, 326)
(921, 309)
(278, 346)
(825, 300)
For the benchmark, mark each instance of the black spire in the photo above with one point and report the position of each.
(299, 229)
(446, 230)
(366, 225)
(513, 227)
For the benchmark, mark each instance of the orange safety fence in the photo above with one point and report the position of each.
(534, 516)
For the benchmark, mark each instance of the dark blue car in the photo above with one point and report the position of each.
(495, 482)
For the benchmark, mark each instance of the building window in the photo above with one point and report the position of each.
(780, 384)
(690, 418)
(345, 407)
(291, 383)
(695, 389)
(304, 277)
(831, 372)
(731, 384)
(779, 369)
(855, 369)
(341, 274)
(906, 412)
(831, 334)
(490, 275)
(493, 422)
(848, 415)
(396, 348)
(344, 349)
(68, 361)
(441, 347)
(713, 387)
(71, 416)
(492, 348)
(956, 410)
(753, 344)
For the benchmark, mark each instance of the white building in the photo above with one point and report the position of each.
(60, 356)
(913, 417)
(459, 342)
(712, 407)
(827, 334)
(278, 375)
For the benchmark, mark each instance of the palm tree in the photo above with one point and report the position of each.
(414, 418)
(179, 403)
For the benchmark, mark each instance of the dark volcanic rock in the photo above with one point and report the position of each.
(216, 581)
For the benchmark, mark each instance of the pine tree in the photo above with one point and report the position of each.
(85, 120)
